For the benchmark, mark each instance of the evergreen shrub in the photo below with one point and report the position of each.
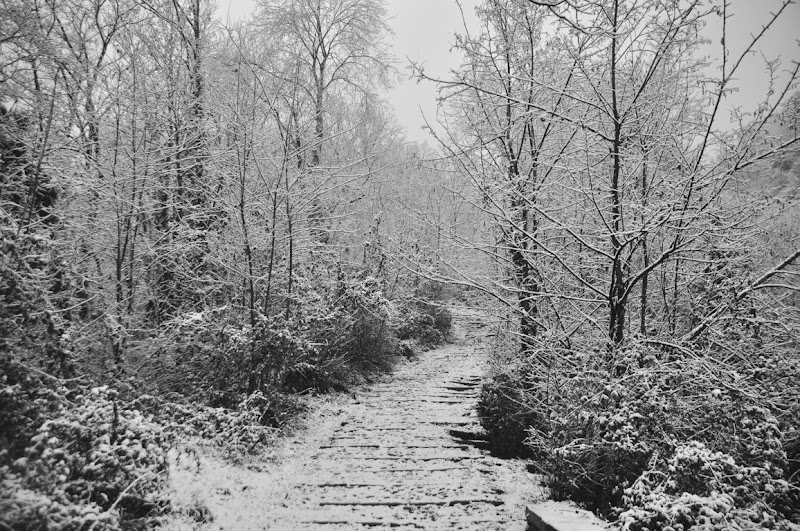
(656, 437)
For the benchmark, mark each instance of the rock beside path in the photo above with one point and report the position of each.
(561, 516)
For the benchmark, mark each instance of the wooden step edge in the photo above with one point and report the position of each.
(396, 446)
(411, 457)
(414, 503)
(468, 435)
(415, 436)
(365, 523)
(405, 484)
(414, 469)
(328, 446)
(350, 523)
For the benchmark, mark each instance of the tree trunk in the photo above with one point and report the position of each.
(616, 294)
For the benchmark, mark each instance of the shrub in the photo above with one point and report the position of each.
(276, 351)
(427, 323)
(76, 458)
(244, 429)
(700, 488)
(613, 429)
(505, 415)
(333, 334)
(352, 325)
(442, 318)
(209, 358)
(33, 282)
(26, 401)
(606, 435)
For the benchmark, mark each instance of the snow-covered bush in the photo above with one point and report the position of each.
(77, 458)
(350, 325)
(332, 334)
(211, 358)
(600, 433)
(648, 428)
(244, 429)
(33, 283)
(700, 488)
(504, 414)
(423, 318)
(424, 323)
(604, 433)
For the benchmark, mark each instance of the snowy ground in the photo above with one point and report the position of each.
(386, 457)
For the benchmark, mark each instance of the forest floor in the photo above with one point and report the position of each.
(404, 453)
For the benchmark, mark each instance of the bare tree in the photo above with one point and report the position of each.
(597, 155)
(335, 42)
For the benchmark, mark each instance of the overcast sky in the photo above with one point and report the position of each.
(424, 30)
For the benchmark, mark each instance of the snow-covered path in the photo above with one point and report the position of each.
(402, 454)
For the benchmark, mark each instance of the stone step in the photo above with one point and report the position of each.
(562, 516)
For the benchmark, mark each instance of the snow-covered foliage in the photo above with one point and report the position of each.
(245, 428)
(658, 437)
(505, 414)
(427, 323)
(75, 458)
(154, 284)
(698, 487)
(337, 332)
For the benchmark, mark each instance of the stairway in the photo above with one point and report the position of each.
(409, 453)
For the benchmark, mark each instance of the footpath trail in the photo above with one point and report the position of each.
(405, 453)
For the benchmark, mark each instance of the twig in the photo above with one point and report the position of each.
(41, 372)
(721, 310)
(122, 495)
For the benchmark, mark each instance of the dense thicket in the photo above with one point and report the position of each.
(193, 217)
(643, 252)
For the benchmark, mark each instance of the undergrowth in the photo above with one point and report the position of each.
(656, 437)
(89, 452)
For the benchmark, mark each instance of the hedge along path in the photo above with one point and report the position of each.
(408, 453)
